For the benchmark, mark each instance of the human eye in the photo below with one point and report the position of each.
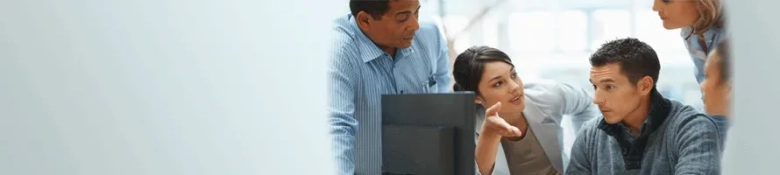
(497, 84)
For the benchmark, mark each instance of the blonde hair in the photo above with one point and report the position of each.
(710, 15)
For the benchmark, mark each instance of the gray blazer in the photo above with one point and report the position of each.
(546, 102)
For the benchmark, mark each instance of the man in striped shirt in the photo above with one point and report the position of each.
(380, 48)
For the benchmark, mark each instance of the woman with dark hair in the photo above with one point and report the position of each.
(520, 132)
(716, 86)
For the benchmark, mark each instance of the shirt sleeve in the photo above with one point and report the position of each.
(342, 77)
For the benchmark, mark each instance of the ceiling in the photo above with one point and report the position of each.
(472, 7)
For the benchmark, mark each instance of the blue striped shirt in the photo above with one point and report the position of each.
(360, 72)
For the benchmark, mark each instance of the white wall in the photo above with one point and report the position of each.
(164, 87)
(753, 144)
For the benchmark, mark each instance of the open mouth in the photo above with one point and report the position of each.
(517, 98)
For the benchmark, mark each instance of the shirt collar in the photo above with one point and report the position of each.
(713, 33)
(369, 50)
(660, 108)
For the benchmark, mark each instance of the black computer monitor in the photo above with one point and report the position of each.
(428, 134)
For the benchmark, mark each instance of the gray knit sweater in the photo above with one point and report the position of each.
(675, 139)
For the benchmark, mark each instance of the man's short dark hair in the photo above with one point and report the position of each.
(375, 8)
(636, 58)
(724, 52)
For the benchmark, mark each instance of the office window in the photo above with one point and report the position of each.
(668, 43)
(462, 43)
(650, 28)
(609, 25)
(676, 80)
(573, 31)
(532, 32)
(490, 31)
(455, 24)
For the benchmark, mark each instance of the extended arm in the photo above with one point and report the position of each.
(486, 150)
(578, 103)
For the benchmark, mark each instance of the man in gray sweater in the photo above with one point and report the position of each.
(641, 132)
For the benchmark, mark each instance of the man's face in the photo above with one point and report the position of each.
(396, 28)
(615, 95)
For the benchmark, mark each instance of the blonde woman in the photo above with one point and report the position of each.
(702, 25)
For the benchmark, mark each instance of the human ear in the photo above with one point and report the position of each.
(364, 20)
(646, 85)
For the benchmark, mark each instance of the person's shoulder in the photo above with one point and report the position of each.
(343, 30)
(683, 111)
(544, 95)
(429, 39)
(343, 23)
(540, 83)
(592, 124)
(429, 27)
(536, 86)
(342, 26)
(545, 88)
(343, 37)
(722, 33)
(590, 130)
(429, 32)
(685, 116)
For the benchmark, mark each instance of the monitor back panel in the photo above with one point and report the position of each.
(430, 122)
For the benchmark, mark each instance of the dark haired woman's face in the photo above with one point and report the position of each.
(716, 92)
(500, 83)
